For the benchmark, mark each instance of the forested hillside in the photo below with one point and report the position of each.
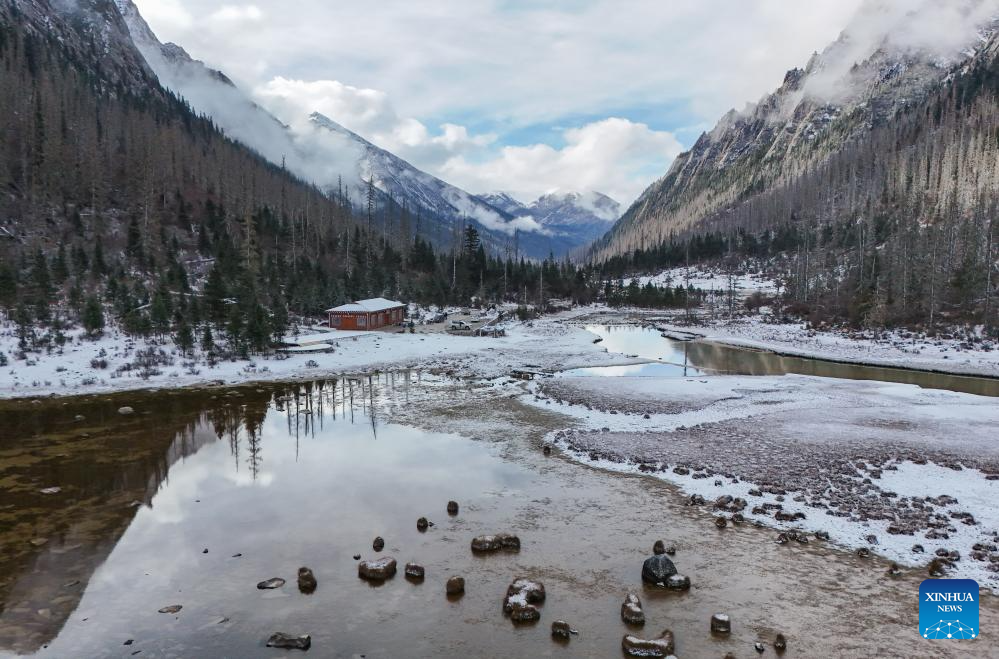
(881, 212)
(120, 204)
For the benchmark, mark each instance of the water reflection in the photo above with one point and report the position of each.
(277, 473)
(688, 358)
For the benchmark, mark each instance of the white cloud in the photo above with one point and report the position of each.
(615, 156)
(166, 16)
(368, 113)
(232, 16)
(515, 65)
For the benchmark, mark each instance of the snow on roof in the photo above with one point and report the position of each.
(374, 304)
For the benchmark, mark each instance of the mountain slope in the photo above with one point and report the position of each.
(835, 99)
(877, 205)
(329, 153)
(443, 207)
(572, 220)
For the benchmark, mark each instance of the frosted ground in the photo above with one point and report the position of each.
(855, 458)
(846, 453)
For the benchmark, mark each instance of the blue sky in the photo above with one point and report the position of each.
(516, 95)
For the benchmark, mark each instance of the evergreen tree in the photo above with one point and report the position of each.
(8, 286)
(184, 337)
(93, 317)
(207, 340)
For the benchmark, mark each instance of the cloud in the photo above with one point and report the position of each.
(368, 113)
(169, 16)
(233, 16)
(942, 30)
(615, 156)
(511, 66)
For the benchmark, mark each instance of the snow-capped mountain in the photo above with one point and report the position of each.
(504, 202)
(320, 149)
(424, 193)
(573, 219)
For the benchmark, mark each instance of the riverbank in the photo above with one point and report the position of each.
(116, 362)
(894, 469)
(946, 353)
(230, 490)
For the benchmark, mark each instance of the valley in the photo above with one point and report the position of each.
(471, 330)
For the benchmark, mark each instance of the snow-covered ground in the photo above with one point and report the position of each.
(854, 458)
(709, 280)
(78, 368)
(896, 348)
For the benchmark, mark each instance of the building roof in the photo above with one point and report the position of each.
(369, 306)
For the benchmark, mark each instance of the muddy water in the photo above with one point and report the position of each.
(689, 358)
(312, 480)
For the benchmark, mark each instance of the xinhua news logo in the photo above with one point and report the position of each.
(948, 609)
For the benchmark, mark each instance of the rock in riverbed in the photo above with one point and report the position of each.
(378, 544)
(306, 581)
(173, 608)
(415, 572)
(270, 584)
(455, 586)
(289, 641)
(521, 596)
(562, 630)
(659, 548)
(125, 410)
(660, 647)
(678, 582)
(657, 569)
(491, 543)
(780, 643)
(631, 610)
(377, 570)
(452, 507)
(721, 623)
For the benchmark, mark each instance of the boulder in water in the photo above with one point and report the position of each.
(455, 586)
(631, 610)
(678, 582)
(561, 630)
(721, 623)
(306, 581)
(660, 648)
(377, 570)
(289, 641)
(657, 569)
(491, 543)
(271, 584)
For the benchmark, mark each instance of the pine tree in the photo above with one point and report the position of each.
(8, 286)
(184, 337)
(207, 340)
(159, 312)
(93, 317)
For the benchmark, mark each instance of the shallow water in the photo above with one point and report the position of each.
(689, 358)
(312, 480)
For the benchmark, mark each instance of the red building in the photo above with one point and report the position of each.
(366, 314)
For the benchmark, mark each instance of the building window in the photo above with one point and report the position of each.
(335, 321)
(362, 321)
